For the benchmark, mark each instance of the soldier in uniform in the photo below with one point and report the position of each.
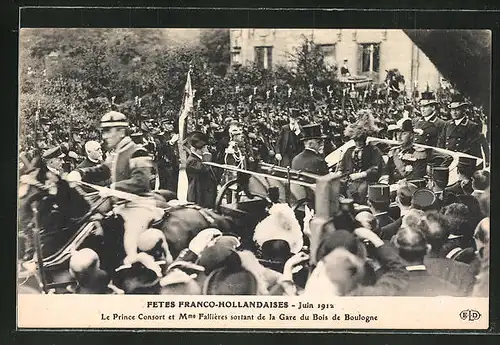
(429, 126)
(363, 163)
(460, 134)
(129, 168)
(406, 161)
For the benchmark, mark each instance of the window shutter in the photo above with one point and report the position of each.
(360, 58)
(269, 58)
(376, 57)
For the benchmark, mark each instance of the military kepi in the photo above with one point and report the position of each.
(423, 199)
(467, 162)
(440, 173)
(379, 193)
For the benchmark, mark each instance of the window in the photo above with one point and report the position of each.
(328, 51)
(264, 57)
(369, 57)
(235, 56)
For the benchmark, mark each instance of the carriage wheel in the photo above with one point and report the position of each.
(223, 192)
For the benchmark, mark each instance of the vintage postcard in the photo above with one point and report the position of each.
(250, 178)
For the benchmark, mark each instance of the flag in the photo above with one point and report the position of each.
(186, 107)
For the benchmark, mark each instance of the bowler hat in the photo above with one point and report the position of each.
(226, 281)
(379, 193)
(457, 101)
(427, 98)
(136, 278)
(423, 199)
(313, 132)
(218, 255)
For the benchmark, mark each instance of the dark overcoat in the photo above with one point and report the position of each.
(464, 137)
(310, 161)
(202, 182)
(431, 129)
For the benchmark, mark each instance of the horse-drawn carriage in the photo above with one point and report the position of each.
(63, 218)
(69, 219)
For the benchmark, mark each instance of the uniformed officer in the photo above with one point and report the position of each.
(429, 125)
(129, 168)
(406, 161)
(460, 134)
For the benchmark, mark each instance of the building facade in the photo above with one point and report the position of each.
(367, 52)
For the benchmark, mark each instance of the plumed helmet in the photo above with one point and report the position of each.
(363, 127)
(114, 119)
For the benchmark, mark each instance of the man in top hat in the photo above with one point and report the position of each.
(429, 125)
(460, 134)
(379, 202)
(289, 143)
(311, 158)
(465, 169)
(129, 170)
(202, 181)
(363, 163)
(438, 182)
(406, 161)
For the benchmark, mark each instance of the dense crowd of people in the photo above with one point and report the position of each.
(426, 237)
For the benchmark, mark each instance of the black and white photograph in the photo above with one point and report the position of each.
(272, 162)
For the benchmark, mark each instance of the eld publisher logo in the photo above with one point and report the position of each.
(470, 315)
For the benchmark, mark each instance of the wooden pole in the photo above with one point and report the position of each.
(327, 205)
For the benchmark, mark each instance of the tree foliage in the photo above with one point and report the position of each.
(74, 74)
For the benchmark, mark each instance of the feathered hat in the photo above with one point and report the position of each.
(363, 127)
